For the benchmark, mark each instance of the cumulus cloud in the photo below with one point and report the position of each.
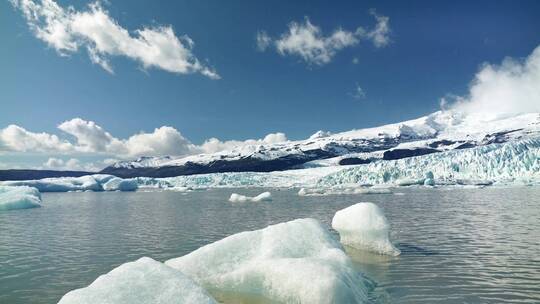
(512, 87)
(307, 40)
(213, 145)
(72, 164)
(88, 137)
(15, 138)
(68, 30)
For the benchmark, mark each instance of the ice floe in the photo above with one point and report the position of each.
(364, 226)
(23, 197)
(120, 184)
(142, 281)
(292, 262)
(96, 182)
(238, 198)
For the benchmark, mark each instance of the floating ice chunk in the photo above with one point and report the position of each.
(292, 262)
(22, 197)
(364, 226)
(429, 182)
(120, 184)
(311, 192)
(408, 182)
(96, 182)
(372, 190)
(474, 182)
(143, 281)
(238, 198)
(60, 184)
(430, 179)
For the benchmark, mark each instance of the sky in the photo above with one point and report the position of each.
(85, 83)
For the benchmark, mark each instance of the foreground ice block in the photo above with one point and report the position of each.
(292, 262)
(364, 226)
(144, 281)
(238, 198)
(22, 197)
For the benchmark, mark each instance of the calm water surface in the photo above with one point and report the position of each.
(458, 245)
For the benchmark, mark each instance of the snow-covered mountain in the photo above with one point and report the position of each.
(437, 132)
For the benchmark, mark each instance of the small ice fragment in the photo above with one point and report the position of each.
(238, 198)
(364, 226)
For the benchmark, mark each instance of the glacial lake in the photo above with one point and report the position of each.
(458, 245)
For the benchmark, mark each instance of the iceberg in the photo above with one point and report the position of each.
(311, 192)
(292, 262)
(142, 281)
(364, 226)
(23, 197)
(95, 182)
(120, 184)
(238, 198)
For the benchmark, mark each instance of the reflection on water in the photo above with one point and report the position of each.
(463, 245)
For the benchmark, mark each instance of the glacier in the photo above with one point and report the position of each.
(364, 226)
(24, 197)
(238, 198)
(515, 162)
(142, 281)
(291, 262)
(435, 133)
(508, 163)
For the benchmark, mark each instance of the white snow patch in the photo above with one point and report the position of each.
(292, 262)
(364, 226)
(23, 197)
(142, 281)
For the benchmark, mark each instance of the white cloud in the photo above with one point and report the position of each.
(15, 138)
(510, 88)
(307, 40)
(380, 34)
(358, 93)
(213, 145)
(67, 30)
(163, 141)
(90, 138)
(263, 40)
(71, 164)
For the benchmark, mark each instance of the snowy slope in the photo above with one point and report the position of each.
(440, 131)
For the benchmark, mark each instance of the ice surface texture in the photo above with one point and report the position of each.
(143, 281)
(292, 262)
(364, 226)
(19, 198)
(238, 198)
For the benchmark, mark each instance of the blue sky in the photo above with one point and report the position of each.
(432, 49)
